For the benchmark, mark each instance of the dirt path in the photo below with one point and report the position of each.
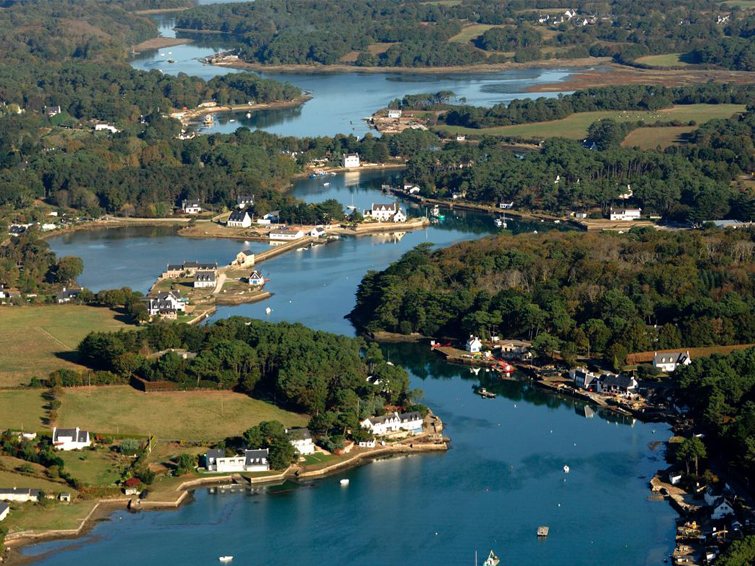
(219, 284)
(43, 331)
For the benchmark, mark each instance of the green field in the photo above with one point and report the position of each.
(22, 410)
(744, 4)
(181, 415)
(575, 126)
(665, 60)
(29, 517)
(9, 479)
(37, 340)
(96, 468)
(650, 138)
(471, 32)
(317, 458)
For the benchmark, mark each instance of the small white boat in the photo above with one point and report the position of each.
(326, 184)
(248, 114)
(566, 469)
(344, 482)
(225, 559)
(268, 310)
(231, 120)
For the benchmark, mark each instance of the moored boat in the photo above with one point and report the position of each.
(225, 559)
(492, 560)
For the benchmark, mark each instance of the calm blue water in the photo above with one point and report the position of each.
(502, 479)
(341, 100)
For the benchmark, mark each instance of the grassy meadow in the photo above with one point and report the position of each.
(666, 60)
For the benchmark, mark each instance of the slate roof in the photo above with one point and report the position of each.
(411, 416)
(393, 207)
(299, 434)
(214, 454)
(68, 294)
(3, 507)
(19, 491)
(253, 457)
(238, 215)
(205, 276)
(245, 199)
(670, 358)
(247, 252)
(621, 381)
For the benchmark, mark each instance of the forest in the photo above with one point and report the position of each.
(719, 391)
(419, 34)
(321, 374)
(594, 294)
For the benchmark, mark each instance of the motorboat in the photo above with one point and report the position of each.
(225, 559)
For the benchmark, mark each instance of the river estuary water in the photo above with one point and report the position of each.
(503, 476)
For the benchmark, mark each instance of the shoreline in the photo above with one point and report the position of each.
(191, 116)
(156, 43)
(102, 510)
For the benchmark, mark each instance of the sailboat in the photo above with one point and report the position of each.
(492, 560)
(225, 559)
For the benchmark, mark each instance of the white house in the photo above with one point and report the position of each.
(245, 258)
(248, 461)
(22, 495)
(255, 278)
(394, 113)
(385, 213)
(393, 422)
(616, 384)
(722, 509)
(167, 303)
(106, 128)
(411, 189)
(70, 438)
(191, 206)
(301, 440)
(239, 219)
(4, 510)
(243, 201)
(67, 295)
(285, 235)
(350, 160)
(370, 443)
(669, 361)
(474, 344)
(675, 478)
(626, 214)
(205, 280)
(583, 378)
(317, 232)
(51, 111)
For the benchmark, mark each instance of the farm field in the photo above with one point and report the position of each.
(665, 60)
(97, 468)
(22, 410)
(23, 481)
(650, 138)
(575, 126)
(471, 32)
(34, 338)
(42, 518)
(181, 415)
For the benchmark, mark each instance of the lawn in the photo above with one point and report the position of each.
(180, 415)
(317, 458)
(744, 4)
(470, 33)
(11, 479)
(95, 468)
(38, 340)
(55, 516)
(666, 60)
(575, 126)
(22, 410)
(650, 138)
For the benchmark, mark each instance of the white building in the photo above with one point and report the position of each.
(474, 344)
(367, 443)
(394, 113)
(669, 361)
(626, 214)
(610, 383)
(583, 378)
(243, 201)
(245, 258)
(350, 160)
(285, 235)
(70, 438)
(239, 219)
(106, 128)
(191, 206)
(394, 422)
(19, 494)
(385, 213)
(301, 440)
(4, 510)
(722, 509)
(205, 280)
(255, 278)
(317, 232)
(166, 303)
(248, 461)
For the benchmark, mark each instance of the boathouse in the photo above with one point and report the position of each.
(350, 160)
(245, 258)
(285, 235)
(256, 279)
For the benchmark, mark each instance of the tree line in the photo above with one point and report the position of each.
(603, 295)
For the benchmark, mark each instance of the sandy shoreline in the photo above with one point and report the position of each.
(158, 43)
(192, 115)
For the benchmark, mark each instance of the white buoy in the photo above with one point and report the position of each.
(268, 310)
(566, 469)
(344, 482)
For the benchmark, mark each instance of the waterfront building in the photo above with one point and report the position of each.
(370, 443)
(256, 279)
(191, 206)
(385, 213)
(247, 461)
(301, 440)
(239, 219)
(67, 295)
(4, 510)
(474, 344)
(245, 258)
(350, 160)
(173, 271)
(166, 303)
(394, 113)
(205, 280)
(191, 267)
(394, 422)
(616, 384)
(285, 235)
(317, 232)
(669, 361)
(70, 438)
(722, 508)
(625, 214)
(583, 378)
(21, 495)
(515, 349)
